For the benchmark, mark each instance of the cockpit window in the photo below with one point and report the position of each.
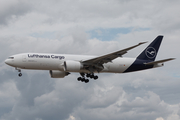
(11, 58)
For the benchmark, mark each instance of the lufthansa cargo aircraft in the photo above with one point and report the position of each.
(61, 65)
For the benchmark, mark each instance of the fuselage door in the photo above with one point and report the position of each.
(24, 58)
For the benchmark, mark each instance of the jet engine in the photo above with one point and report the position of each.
(72, 66)
(58, 74)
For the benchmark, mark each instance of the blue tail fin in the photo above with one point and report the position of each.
(151, 51)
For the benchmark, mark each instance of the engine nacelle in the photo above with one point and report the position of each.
(72, 66)
(58, 74)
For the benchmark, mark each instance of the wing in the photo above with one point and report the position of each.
(109, 57)
(96, 64)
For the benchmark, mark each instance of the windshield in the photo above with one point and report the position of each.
(11, 58)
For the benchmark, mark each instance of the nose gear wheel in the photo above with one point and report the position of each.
(19, 70)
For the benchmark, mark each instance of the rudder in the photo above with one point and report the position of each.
(151, 51)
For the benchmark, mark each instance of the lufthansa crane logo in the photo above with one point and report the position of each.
(150, 52)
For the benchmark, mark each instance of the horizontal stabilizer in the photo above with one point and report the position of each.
(159, 61)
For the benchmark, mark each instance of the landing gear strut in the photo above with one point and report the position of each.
(83, 79)
(19, 70)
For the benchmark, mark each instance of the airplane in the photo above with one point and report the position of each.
(61, 65)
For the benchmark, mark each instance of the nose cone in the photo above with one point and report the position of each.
(8, 62)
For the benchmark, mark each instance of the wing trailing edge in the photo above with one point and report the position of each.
(109, 57)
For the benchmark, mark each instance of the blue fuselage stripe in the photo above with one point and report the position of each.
(139, 65)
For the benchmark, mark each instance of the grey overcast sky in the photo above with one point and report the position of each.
(93, 27)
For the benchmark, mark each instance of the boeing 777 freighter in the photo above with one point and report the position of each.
(61, 65)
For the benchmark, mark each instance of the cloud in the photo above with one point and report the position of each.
(67, 27)
(11, 10)
(9, 95)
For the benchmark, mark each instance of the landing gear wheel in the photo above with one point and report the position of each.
(82, 79)
(79, 78)
(86, 81)
(91, 76)
(20, 74)
(95, 77)
(88, 75)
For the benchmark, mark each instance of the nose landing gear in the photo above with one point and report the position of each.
(19, 70)
(20, 74)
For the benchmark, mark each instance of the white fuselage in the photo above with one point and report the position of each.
(61, 65)
(42, 61)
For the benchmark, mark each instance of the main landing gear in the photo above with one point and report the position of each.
(19, 70)
(83, 79)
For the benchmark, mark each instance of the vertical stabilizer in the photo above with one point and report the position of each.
(151, 51)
